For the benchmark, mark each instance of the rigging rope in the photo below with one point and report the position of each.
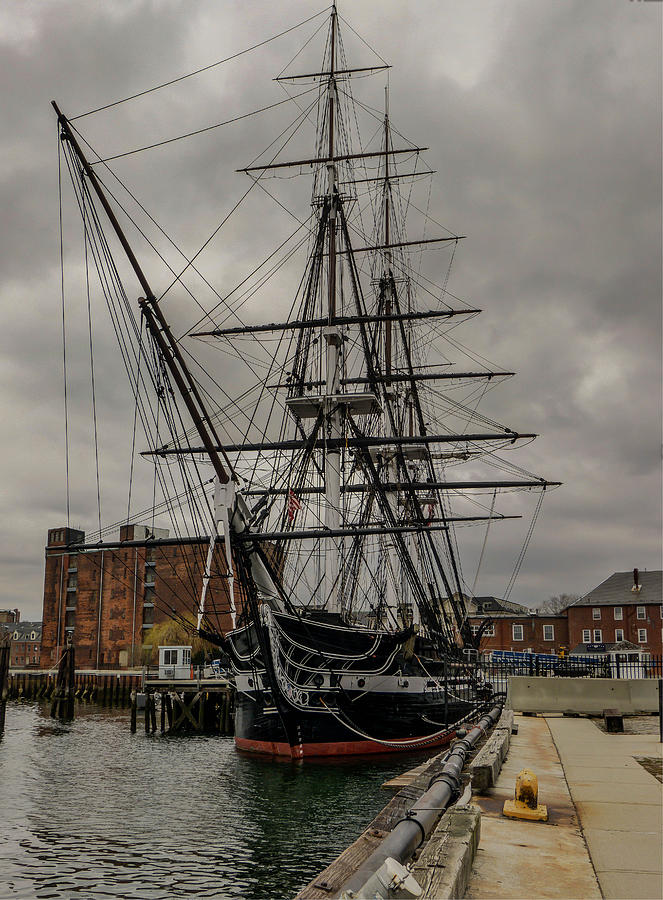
(181, 137)
(485, 539)
(523, 551)
(133, 436)
(219, 62)
(64, 331)
(89, 324)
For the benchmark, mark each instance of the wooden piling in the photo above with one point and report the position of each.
(65, 686)
(163, 713)
(169, 711)
(4, 686)
(153, 713)
(134, 704)
(222, 712)
(227, 714)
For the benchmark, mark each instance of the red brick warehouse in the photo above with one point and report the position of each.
(106, 600)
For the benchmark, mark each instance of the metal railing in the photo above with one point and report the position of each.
(497, 669)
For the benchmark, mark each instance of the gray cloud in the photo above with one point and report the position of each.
(543, 121)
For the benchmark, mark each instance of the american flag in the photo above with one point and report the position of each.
(293, 505)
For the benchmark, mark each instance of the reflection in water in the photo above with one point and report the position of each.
(89, 810)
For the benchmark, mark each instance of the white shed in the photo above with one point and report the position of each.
(175, 662)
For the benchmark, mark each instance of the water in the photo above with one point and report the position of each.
(88, 809)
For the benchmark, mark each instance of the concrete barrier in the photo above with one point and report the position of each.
(630, 696)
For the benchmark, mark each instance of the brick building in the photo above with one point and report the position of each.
(515, 627)
(106, 600)
(9, 616)
(624, 607)
(25, 644)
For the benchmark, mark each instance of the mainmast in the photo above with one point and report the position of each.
(391, 408)
(333, 338)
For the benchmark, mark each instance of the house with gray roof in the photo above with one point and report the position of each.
(627, 606)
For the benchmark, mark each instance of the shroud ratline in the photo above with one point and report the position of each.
(342, 582)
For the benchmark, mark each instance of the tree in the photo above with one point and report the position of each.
(172, 632)
(556, 604)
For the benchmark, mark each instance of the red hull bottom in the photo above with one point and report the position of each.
(337, 748)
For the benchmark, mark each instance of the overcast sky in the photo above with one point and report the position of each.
(544, 123)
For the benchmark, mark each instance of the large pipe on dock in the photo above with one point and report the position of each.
(409, 833)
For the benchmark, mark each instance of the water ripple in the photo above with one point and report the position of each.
(88, 810)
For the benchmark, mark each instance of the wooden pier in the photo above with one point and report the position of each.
(106, 688)
(195, 705)
(202, 706)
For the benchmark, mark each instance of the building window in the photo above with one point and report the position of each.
(72, 581)
(148, 615)
(70, 618)
(517, 632)
(149, 594)
(618, 612)
(619, 635)
(150, 554)
(598, 636)
(596, 613)
(170, 657)
(474, 629)
(642, 635)
(490, 630)
(548, 632)
(641, 612)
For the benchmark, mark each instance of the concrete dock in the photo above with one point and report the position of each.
(603, 837)
(531, 859)
(619, 804)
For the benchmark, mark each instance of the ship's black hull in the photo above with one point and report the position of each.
(261, 729)
(309, 689)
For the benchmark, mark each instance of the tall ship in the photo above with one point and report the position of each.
(326, 486)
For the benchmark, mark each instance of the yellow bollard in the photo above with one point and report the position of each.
(525, 804)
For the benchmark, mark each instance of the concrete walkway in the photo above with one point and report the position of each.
(536, 860)
(619, 803)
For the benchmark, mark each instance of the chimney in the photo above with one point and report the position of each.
(636, 581)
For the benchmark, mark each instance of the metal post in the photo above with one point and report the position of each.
(660, 710)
